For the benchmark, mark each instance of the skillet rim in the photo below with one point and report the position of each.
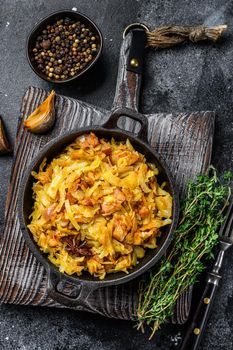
(34, 248)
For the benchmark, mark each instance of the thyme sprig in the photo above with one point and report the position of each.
(196, 235)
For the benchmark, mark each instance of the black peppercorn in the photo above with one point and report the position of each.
(66, 20)
(64, 48)
(46, 44)
(57, 70)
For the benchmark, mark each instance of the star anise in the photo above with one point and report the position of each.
(75, 246)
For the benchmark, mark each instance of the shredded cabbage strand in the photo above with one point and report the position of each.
(98, 207)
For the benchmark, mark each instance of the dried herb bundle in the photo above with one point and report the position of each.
(201, 216)
(169, 36)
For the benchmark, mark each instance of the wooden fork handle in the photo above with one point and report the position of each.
(130, 70)
(197, 328)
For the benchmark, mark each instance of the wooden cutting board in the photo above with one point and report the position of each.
(184, 140)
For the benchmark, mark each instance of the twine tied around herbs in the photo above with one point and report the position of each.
(168, 36)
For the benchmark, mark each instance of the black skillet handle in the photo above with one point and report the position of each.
(130, 67)
(111, 123)
(197, 328)
(81, 300)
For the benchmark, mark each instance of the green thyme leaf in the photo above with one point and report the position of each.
(195, 237)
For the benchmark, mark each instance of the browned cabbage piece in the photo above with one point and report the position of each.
(98, 207)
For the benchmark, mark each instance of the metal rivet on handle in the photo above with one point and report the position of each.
(196, 331)
(206, 301)
(134, 62)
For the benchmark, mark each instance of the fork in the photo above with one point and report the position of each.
(196, 330)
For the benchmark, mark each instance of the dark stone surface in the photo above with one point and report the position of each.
(180, 79)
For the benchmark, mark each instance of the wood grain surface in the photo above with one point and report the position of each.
(183, 140)
(128, 83)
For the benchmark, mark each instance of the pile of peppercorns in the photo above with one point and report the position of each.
(64, 49)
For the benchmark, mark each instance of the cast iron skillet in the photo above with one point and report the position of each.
(85, 284)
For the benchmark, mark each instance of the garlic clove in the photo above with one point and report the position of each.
(4, 144)
(43, 118)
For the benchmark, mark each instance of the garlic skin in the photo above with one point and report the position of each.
(4, 144)
(43, 118)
